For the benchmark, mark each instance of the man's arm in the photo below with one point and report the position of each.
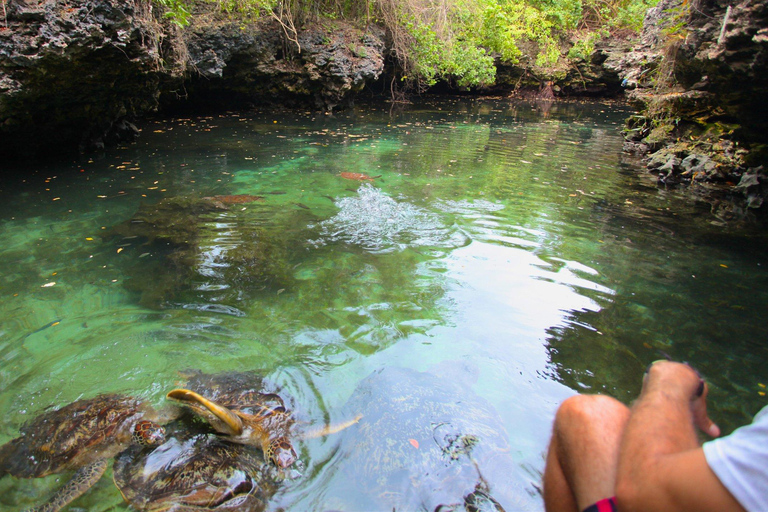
(662, 468)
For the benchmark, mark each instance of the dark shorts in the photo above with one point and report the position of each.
(606, 505)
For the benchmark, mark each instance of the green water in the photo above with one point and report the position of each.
(509, 248)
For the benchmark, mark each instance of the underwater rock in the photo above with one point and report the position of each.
(202, 253)
(425, 443)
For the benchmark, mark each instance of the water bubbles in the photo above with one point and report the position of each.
(378, 223)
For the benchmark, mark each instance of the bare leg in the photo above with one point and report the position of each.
(583, 453)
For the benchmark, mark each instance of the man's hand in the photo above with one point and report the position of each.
(661, 465)
(681, 381)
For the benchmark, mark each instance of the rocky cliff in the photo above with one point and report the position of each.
(699, 76)
(328, 63)
(73, 71)
(70, 70)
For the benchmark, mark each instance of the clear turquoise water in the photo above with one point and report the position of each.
(507, 247)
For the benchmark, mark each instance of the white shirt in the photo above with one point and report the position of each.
(740, 461)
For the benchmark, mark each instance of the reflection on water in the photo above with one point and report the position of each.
(511, 256)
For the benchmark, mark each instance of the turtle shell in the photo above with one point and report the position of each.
(423, 443)
(194, 471)
(73, 436)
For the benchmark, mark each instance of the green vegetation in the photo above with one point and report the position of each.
(176, 10)
(457, 40)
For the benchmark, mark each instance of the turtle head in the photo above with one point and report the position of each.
(281, 452)
(147, 433)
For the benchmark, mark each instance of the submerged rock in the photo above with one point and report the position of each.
(195, 249)
(425, 443)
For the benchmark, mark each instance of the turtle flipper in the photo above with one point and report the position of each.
(327, 430)
(220, 418)
(81, 481)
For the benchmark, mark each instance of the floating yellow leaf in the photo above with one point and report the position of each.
(724, 266)
(761, 393)
(761, 385)
(119, 250)
(89, 239)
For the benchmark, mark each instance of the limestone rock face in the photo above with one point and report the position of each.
(700, 76)
(324, 67)
(72, 71)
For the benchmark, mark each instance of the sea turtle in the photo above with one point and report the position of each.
(194, 471)
(80, 437)
(358, 176)
(424, 443)
(234, 405)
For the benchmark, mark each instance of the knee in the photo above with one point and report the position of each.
(587, 410)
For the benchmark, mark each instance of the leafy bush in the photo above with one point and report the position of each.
(177, 11)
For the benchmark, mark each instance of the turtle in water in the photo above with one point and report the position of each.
(80, 437)
(194, 471)
(234, 405)
(424, 443)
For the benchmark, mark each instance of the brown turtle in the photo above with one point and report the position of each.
(234, 405)
(80, 437)
(194, 471)
(358, 176)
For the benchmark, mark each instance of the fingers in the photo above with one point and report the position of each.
(685, 382)
(700, 417)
